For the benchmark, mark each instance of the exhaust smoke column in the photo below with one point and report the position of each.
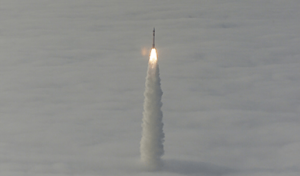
(152, 136)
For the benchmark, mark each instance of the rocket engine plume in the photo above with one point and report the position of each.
(152, 136)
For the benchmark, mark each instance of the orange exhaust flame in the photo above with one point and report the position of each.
(153, 56)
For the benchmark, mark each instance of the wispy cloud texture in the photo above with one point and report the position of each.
(72, 82)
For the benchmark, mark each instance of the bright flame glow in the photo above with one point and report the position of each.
(153, 56)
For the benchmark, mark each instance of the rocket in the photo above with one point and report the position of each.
(153, 44)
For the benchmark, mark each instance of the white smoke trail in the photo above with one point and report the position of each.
(152, 136)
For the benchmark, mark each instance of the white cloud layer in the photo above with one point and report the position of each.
(72, 80)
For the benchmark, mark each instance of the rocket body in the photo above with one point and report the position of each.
(153, 44)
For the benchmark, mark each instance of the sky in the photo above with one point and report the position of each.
(73, 75)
